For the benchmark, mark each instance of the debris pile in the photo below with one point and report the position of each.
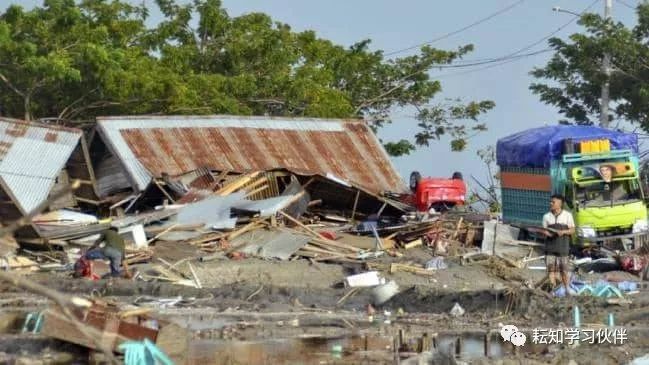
(244, 217)
(182, 207)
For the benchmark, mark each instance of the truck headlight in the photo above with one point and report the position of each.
(640, 226)
(586, 232)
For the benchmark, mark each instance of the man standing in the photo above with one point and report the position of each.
(557, 246)
(109, 247)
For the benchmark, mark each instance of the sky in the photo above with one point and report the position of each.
(394, 25)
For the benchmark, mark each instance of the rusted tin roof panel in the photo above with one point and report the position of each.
(31, 157)
(346, 149)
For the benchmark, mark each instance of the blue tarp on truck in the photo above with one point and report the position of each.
(537, 147)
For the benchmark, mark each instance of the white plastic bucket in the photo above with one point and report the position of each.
(385, 292)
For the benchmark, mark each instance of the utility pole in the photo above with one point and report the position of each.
(606, 67)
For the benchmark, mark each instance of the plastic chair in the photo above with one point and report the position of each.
(586, 289)
(143, 353)
(37, 319)
(609, 291)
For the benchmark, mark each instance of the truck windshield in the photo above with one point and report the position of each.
(607, 194)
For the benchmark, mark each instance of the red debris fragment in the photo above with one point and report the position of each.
(328, 235)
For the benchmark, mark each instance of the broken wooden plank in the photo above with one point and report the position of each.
(17, 262)
(176, 227)
(208, 238)
(164, 191)
(411, 269)
(56, 325)
(254, 184)
(509, 261)
(317, 235)
(135, 312)
(258, 190)
(342, 246)
(415, 243)
(161, 233)
(43, 241)
(172, 268)
(237, 184)
(196, 280)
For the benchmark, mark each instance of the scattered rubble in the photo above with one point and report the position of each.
(190, 229)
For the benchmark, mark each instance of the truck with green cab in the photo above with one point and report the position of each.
(595, 169)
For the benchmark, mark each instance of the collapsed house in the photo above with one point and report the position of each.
(342, 161)
(38, 162)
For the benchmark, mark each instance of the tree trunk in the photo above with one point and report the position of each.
(27, 101)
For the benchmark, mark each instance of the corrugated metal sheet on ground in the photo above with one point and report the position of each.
(62, 218)
(265, 207)
(271, 244)
(31, 157)
(144, 218)
(347, 149)
(213, 211)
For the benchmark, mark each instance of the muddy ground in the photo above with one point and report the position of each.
(247, 306)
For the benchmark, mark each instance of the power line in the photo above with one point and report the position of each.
(514, 59)
(513, 56)
(508, 58)
(494, 60)
(444, 36)
(624, 3)
(562, 27)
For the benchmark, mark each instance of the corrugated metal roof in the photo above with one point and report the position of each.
(346, 149)
(31, 157)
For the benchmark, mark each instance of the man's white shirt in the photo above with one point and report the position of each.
(564, 217)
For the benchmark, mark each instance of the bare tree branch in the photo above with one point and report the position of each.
(401, 82)
(61, 115)
(11, 86)
(267, 101)
(490, 192)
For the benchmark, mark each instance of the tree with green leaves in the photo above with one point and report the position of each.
(72, 61)
(575, 72)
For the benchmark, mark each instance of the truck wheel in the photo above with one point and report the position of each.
(415, 178)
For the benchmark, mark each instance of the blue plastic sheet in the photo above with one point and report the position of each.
(537, 147)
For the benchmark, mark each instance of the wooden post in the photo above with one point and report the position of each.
(311, 180)
(358, 192)
(382, 207)
(457, 228)
(426, 344)
(162, 189)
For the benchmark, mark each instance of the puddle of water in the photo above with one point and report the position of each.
(289, 351)
(472, 347)
(308, 350)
